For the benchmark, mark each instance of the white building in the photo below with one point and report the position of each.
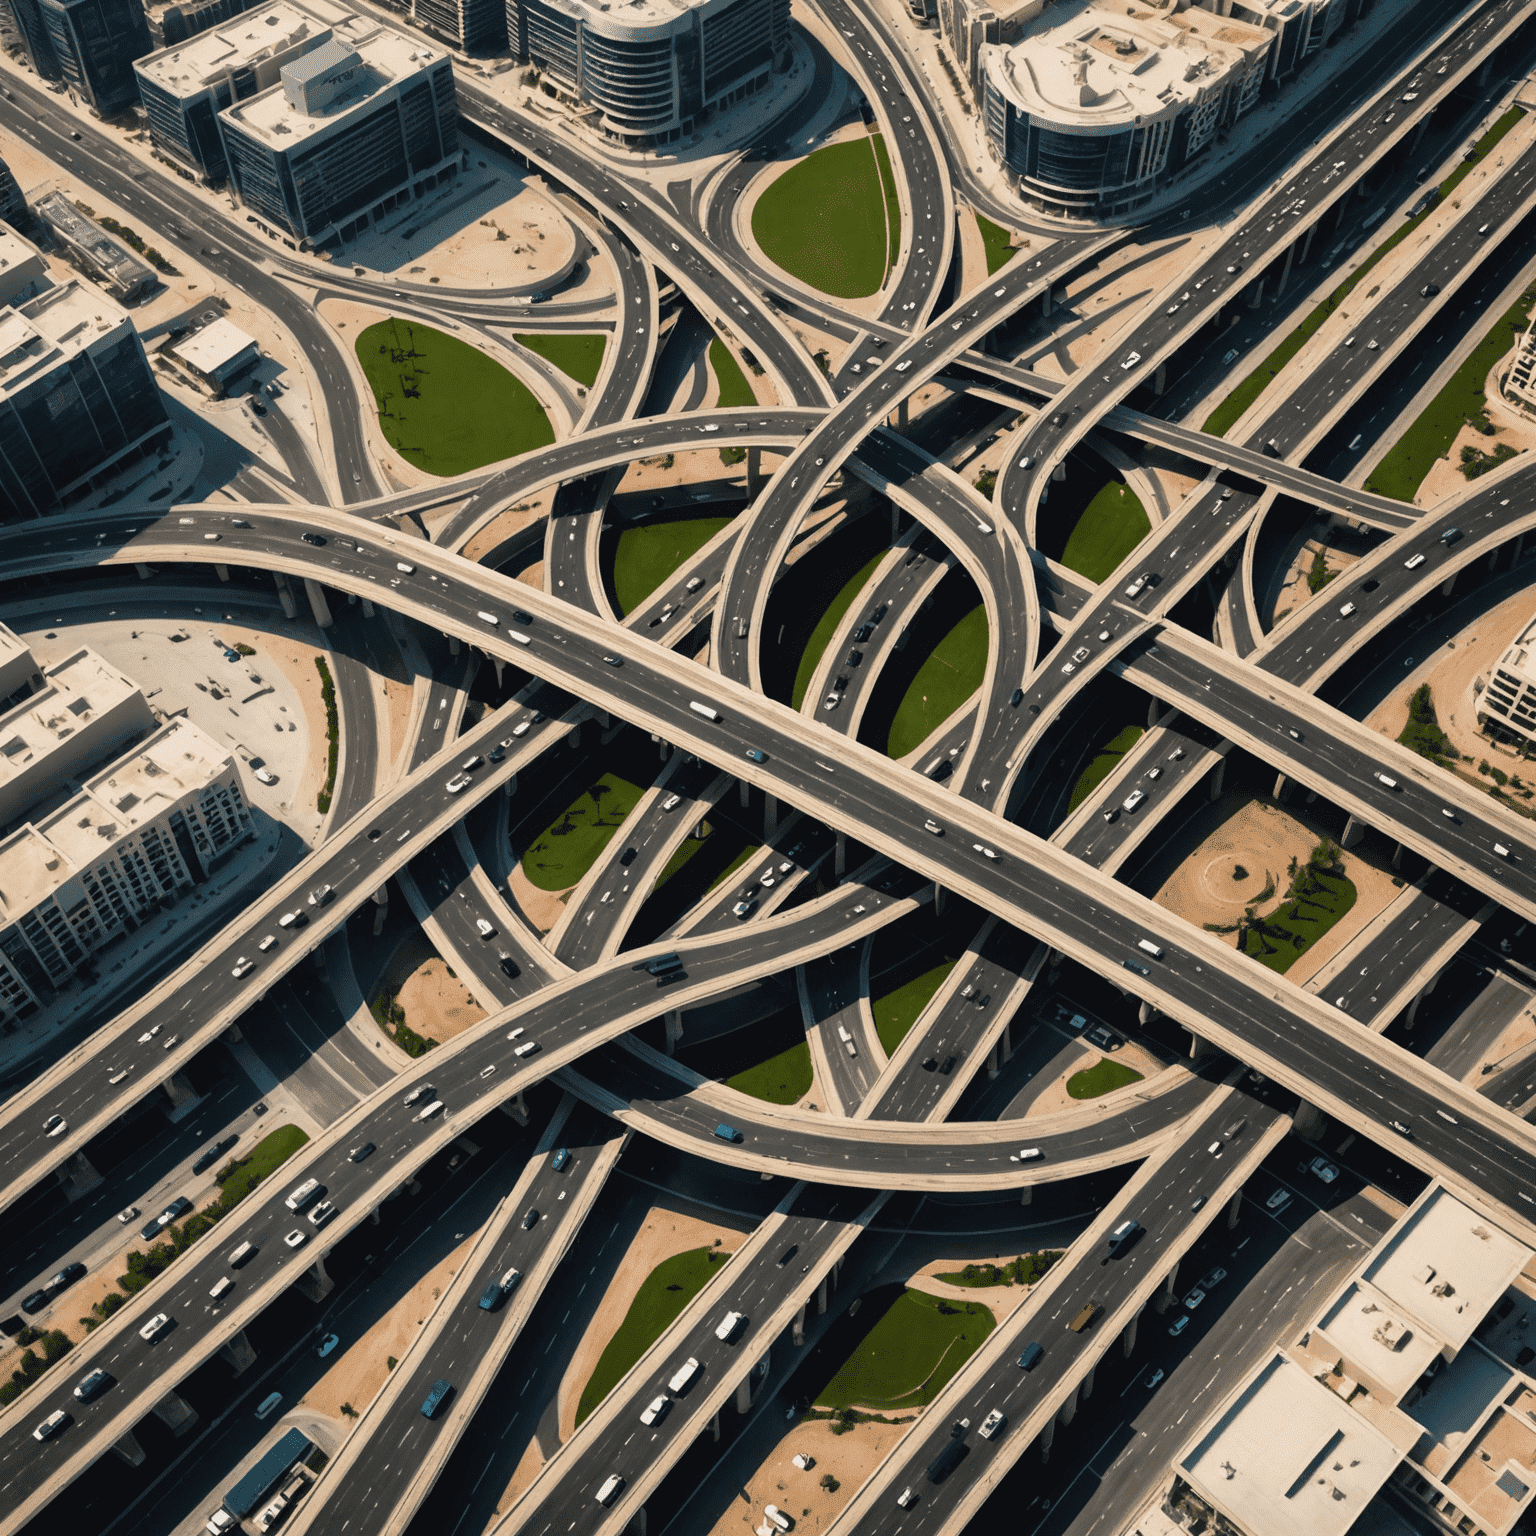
(1404, 1386)
(22, 273)
(1507, 705)
(217, 353)
(134, 838)
(1093, 113)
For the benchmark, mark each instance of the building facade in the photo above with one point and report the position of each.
(36, 37)
(96, 42)
(102, 256)
(131, 841)
(476, 26)
(186, 86)
(13, 204)
(357, 127)
(647, 71)
(77, 398)
(1506, 707)
(1092, 115)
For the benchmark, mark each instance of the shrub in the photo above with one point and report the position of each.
(333, 734)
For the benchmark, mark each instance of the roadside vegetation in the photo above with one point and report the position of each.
(1027, 1269)
(1112, 525)
(1105, 761)
(952, 672)
(648, 553)
(1318, 895)
(567, 848)
(1104, 1076)
(898, 1010)
(332, 735)
(826, 626)
(782, 1079)
(579, 357)
(997, 241)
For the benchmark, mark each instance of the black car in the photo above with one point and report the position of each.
(509, 967)
(357, 1154)
(788, 1254)
(930, 1064)
(947, 1066)
(853, 658)
(881, 609)
(522, 616)
(863, 632)
(628, 857)
(496, 754)
(1018, 697)
(65, 1278)
(530, 1216)
(313, 538)
(35, 1302)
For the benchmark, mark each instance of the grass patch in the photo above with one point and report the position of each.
(951, 673)
(332, 735)
(390, 1017)
(578, 357)
(909, 1355)
(443, 405)
(647, 555)
(1278, 940)
(570, 846)
(1422, 734)
(1103, 764)
(1024, 1270)
(684, 851)
(997, 242)
(821, 636)
(1403, 467)
(898, 1011)
(825, 220)
(734, 389)
(1112, 525)
(743, 858)
(780, 1080)
(662, 1296)
(240, 1176)
(1221, 420)
(1104, 1076)
(892, 202)
(56, 1344)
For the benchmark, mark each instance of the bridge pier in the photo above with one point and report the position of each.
(1397, 856)
(840, 855)
(453, 644)
(179, 1091)
(901, 416)
(744, 793)
(1308, 1121)
(145, 572)
(368, 613)
(1257, 296)
(1448, 585)
(78, 1176)
(821, 1297)
(1171, 1284)
(1068, 1410)
(939, 899)
(1047, 1439)
(992, 1063)
(770, 815)
(1199, 1047)
(317, 603)
(237, 1350)
(797, 1328)
(754, 471)
(176, 1413)
(1234, 1210)
(1146, 1013)
(714, 1425)
(1306, 243)
(1354, 830)
(516, 1109)
(284, 595)
(1160, 379)
(315, 1282)
(674, 1028)
(221, 571)
(573, 737)
(1154, 712)
(746, 1388)
(1281, 782)
(1218, 779)
(1285, 271)
(1086, 1390)
(1027, 1195)
(128, 1449)
(1128, 1338)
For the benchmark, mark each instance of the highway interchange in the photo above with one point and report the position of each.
(1047, 888)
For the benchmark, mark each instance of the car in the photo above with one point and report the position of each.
(1234, 269)
(55, 1125)
(612, 661)
(58, 1418)
(1322, 1169)
(1033, 1352)
(509, 967)
(930, 825)
(127, 1214)
(1131, 359)
(756, 755)
(1068, 668)
(1153, 1377)
(530, 1216)
(1213, 1279)
(485, 930)
(220, 1523)
(1194, 1298)
(853, 658)
(264, 776)
(1016, 698)
(656, 1410)
(313, 538)
(419, 1092)
(1451, 536)
(930, 1064)
(296, 1239)
(1401, 1128)
(1112, 813)
(560, 1159)
(1278, 1201)
(35, 1302)
(65, 1278)
(1154, 773)
(831, 701)
(1178, 1325)
(357, 1154)
(155, 1327)
(1413, 562)
(327, 1345)
(993, 1422)
(92, 1385)
(1132, 800)
(322, 1213)
(243, 967)
(458, 782)
(1429, 290)
(727, 1133)
(743, 909)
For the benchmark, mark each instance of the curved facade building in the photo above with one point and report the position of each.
(1093, 114)
(646, 71)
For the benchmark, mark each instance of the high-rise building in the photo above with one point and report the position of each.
(22, 272)
(1506, 708)
(649, 69)
(96, 42)
(134, 838)
(357, 127)
(77, 398)
(185, 87)
(35, 34)
(476, 26)
(13, 205)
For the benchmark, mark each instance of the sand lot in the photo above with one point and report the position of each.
(437, 1003)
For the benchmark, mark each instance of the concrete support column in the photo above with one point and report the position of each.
(510, 787)
(1160, 379)
(315, 1282)
(1354, 830)
(754, 470)
(1412, 1016)
(284, 595)
(1146, 1013)
(901, 416)
(1068, 1410)
(453, 645)
(1514, 559)
(496, 661)
(573, 737)
(1059, 473)
(221, 571)
(895, 522)
(1448, 585)
(1280, 785)
(1397, 856)
(1128, 1338)
(1285, 271)
(1086, 1390)
(1047, 1439)
(176, 1413)
(714, 1425)
(178, 1090)
(1171, 1284)
(1027, 1195)
(517, 1108)
(1218, 778)
(128, 1449)
(78, 1176)
(797, 1328)
(1257, 296)
(821, 1298)
(317, 603)
(746, 1388)
(744, 792)
(637, 1526)
(1045, 302)
(939, 899)
(770, 815)
(840, 855)
(1234, 1209)
(1308, 1121)
(145, 572)
(992, 1063)
(368, 614)
(1306, 244)
(238, 1352)
(1154, 709)
(1199, 1047)
(1008, 1041)
(674, 1028)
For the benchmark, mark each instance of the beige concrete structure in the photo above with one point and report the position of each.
(22, 271)
(1507, 706)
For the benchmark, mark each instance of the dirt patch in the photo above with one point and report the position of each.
(697, 466)
(437, 1003)
(1515, 1036)
(1445, 478)
(543, 909)
(361, 1369)
(663, 1234)
(1294, 589)
(528, 1468)
(509, 521)
(849, 1458)
(1053, 1098)
(1000, 1300)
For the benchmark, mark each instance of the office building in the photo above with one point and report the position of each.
(1404, 1391)
(133, 839)
(110, 261)
(217, 354)
(645, 72)
(186, 86)
(179, 22)
(77, 398)
(96, 42)
(476, 26)
(19, 674)
(22, 272)
(35, 35)
(1506, 708)
(13, 204)
(357, 127)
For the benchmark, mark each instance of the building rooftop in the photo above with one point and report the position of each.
(21, 263)
(213, 347)
(1520, 658)
(242, 42)
(363, 57)
(77, 691)
(1445, 1267)
(113, 258)
(1378, 1344)
(1287, 1457)
(612, 17)
(12, 647)
(36, 859)
(38, 334)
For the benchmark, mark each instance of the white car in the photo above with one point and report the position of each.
(832, 701)
(51, 1425)
(296, 1239)
(1133, 799)
(656, 1410)
(149, 1034)
(55, 1125)
(993, 1422)
(243, 967)
(322, 1213)
(457, 782)
(264, 776)
(484, 928)
(155, 1327)
(1131, 359)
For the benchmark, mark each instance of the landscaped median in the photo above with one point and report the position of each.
(1112, 525)
(1222, 419)
(562, 854)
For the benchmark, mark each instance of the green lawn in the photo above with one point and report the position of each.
(1104, 763)
(780, 1080)
(1402, 469)
(646, 555)
(444, 405)
(909, 1355)
(821, 636)
(996, 239)
(569, 846)
(1422, 733)
(898, 1011)
(824, 220)
(1305, 922)
(744, 857)
(274, 1149)
(892, 201)
(1104, 1076)
(951, 673)
(1222, 418)
(1112, 525)
(662, 1296)
(579, 356)
(734, 389)
(1027, 1269)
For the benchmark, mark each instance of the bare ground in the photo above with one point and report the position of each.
(1054, 1098)
(437, 1003)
